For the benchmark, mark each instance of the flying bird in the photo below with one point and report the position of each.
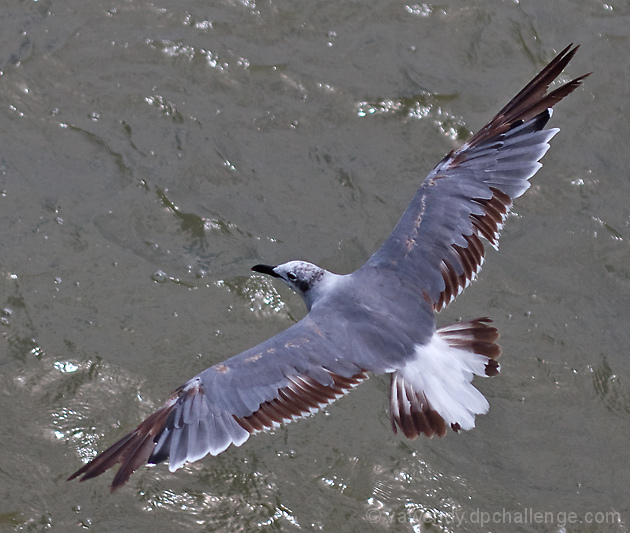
(379, 319)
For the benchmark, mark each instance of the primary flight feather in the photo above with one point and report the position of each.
(379, 319)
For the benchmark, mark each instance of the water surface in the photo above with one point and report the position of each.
(153, 152)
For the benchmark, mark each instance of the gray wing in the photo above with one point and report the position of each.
(286, 377)
(436, 245)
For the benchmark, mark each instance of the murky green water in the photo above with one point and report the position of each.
(151, 153)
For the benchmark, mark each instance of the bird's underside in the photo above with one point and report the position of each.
(379, 319)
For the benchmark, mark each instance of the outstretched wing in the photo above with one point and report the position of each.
(289, 376)
(436, 245)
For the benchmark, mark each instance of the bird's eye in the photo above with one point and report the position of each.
(291, 276)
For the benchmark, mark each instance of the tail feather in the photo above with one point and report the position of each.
(475, 337)
(434, 390)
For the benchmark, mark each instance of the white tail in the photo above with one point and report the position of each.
(434, 390)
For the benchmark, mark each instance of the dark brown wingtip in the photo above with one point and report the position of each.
(533, 99)
(536, 89)
(132, 451)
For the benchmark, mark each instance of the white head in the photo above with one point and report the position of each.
(303, 277)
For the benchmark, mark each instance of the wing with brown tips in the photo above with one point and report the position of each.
(291, 375)
(436, 246)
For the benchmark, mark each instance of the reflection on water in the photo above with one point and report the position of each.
(420, 106)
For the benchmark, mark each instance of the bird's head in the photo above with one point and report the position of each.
(303, 277)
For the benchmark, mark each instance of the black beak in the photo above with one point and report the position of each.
(265, 269)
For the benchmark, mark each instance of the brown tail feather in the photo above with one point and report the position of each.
(475, 336)
(411, 412)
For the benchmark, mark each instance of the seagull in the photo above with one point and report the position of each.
(379, 319)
